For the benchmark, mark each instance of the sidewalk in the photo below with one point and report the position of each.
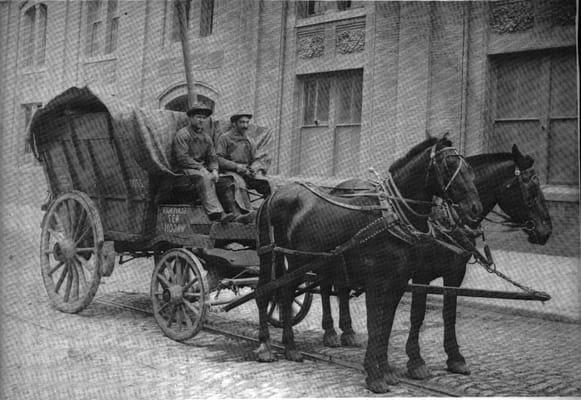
(559, 276)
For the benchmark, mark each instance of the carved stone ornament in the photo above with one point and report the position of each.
(350, 41)
(310, 46)
(512, 16)
(563, 12)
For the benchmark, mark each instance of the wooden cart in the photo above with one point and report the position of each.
(114, 198)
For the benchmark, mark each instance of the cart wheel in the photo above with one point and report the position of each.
(300, 307)
(179, 294)
(71, 247)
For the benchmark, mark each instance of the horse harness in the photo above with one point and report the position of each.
(441, 220)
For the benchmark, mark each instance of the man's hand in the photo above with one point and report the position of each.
(243, 170)
(214, 175)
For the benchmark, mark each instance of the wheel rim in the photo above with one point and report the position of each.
(71, 244)
(179, 294)
(300, 308)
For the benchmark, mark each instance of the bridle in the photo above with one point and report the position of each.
(439, 170)
(521, 178)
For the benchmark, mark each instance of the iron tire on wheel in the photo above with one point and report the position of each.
(71, 247)
(303, 301)
(179, 294)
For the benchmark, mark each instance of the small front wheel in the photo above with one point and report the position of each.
(179, 294)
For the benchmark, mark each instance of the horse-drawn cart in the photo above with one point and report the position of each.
(113, 197)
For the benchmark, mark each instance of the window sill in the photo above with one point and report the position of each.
(33, 70)
(330, 17)
(98, 59)
(567, 194)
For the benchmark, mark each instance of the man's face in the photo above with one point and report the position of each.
(242, 124)
(197, 120)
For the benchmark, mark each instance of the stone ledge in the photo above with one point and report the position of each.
(568, 194)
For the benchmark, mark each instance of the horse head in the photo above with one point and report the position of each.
(445, 174)
(523, 201)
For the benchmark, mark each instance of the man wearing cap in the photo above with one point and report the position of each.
(195, 156)
(241, 168)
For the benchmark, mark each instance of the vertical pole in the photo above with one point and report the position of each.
(186, 51)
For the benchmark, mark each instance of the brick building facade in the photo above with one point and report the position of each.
(345, 85)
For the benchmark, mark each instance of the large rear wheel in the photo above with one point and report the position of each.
(71, 248)
(179, 294)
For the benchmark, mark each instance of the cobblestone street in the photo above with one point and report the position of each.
(108, 352)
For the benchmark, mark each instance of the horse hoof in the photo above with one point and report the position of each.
(264, 353)
(377, 385)
(265, 356)
(390, 378)
(331, 340)
(349, 340)
(293, 355)
(458, 367)
(421, 372)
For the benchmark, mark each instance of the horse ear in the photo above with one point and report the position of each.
(445, 140)
(521, 160)
(517, 155)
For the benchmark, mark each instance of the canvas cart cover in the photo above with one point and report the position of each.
(143, 135)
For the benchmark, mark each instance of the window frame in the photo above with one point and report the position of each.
(101, 32)
(34, 37)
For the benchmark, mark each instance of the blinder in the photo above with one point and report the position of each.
(523, 178)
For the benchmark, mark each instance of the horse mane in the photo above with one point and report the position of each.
(481, 159)
(417, 149)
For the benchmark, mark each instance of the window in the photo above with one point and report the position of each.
(28, 111)
(311, 8)
(206, 17)
(102, 27)
(330, 118)
(534, 104)
(173, 22)
(34, 35)
(316, 101)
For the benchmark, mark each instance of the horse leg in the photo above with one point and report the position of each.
(381, 301)
(348, 337)
(456, 362)
(330, 337)
(417, 368)
(288, 340)
(264, 351)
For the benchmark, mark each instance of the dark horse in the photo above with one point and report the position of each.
(506, 179)
(295, 218)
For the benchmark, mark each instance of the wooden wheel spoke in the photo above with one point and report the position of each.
(69, 284)
(58, 235)
(192, 307)
(70, 215)
(61, 278)
(85, 250)
(178, 269)
(172, 314)
(59, 222)
(80, 224)
(190, 284)
(162, 308)
(80, 270)
(272, 308)
(298, 302)
(186, 317)
(163, 280)
(55, 268)
(171, 268)
(87, 230)
(75, 279)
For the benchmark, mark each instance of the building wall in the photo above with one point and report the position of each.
(426, 68)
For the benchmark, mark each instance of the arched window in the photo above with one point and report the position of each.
(180, 103)
(102, 27)
(34, 35)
